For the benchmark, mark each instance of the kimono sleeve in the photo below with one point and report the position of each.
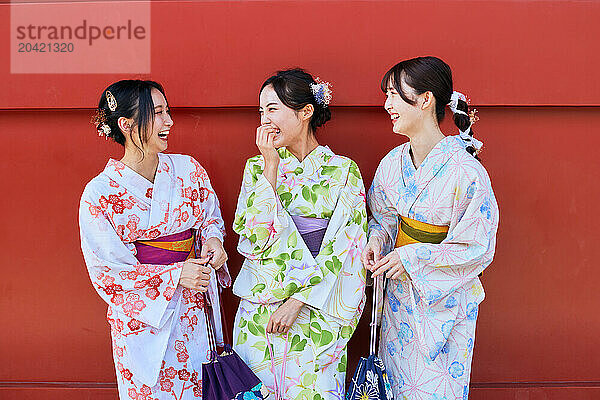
(139, 291)
(437, 270)
(210, 223)
(259, 215)
(383, 223)
(338, 289)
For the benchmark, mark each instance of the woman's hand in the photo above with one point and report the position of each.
(284, 317)
(195, 275)
(264, 142)
(390, 263)
(213, 253)
(372, 252)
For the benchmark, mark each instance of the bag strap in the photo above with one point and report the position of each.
(210, 329)
(378, 281)
(279, 387)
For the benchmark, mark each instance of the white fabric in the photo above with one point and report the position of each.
(147, 309)
(465, 135)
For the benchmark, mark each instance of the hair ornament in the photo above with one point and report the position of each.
(473, 116)
(112, 102)
(466, 135)
(454, 102)
(322, 92)
(104, 130)
(99, 120)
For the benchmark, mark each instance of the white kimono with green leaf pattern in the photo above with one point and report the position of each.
(279, 265)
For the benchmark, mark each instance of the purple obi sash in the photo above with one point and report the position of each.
(166, 249)
(312, 231)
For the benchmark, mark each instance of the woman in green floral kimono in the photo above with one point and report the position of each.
(301, 217)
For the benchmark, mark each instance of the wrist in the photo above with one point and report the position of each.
(295, 302)
(271, 163)
(213, 239)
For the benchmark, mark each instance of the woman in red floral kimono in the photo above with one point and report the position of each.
(151, 235)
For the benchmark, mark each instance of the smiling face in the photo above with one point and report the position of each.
(290, 125)
(406, 118)
(158, 131)
(157, 141)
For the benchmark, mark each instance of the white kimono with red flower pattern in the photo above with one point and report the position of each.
(158, 328)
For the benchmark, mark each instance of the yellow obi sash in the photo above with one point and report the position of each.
(412, 231)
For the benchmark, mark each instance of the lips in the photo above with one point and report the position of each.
(163, 135)
(394, 117)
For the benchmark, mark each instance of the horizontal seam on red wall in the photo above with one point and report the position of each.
(333, 107)
(475, 385)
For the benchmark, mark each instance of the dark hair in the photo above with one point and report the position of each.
(428, 74)
(134, 100)
(292, 86)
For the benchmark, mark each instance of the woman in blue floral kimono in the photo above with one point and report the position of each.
(434, 221)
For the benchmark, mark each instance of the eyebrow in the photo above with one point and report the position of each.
(268, 105)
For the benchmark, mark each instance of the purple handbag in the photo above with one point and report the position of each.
(226, 376)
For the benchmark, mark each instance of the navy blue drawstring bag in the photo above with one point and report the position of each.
(370, 381)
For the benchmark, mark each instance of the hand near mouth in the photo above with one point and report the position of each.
(264, 141)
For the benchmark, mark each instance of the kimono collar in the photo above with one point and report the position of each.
(129, 179)
(318, 151)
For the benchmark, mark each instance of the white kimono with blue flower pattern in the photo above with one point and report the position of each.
(429, 314)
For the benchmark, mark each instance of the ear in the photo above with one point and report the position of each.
(428, 100)
(307, 112)
(125, 124)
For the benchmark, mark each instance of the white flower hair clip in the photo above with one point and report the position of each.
(322, 92)
(104, 130)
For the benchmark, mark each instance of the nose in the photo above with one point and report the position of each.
(168, 120)
(264, 119)
(388, 105)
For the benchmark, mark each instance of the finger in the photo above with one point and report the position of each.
(380, 266)
(381, 269)
(217, 256)
(377, 254)
(269, 325)
(205, 269)
(275, 327)
(206, 248)
(364, 257)
(397, 275)
(202, 289)
(270, 136)
(369, 260)
(391, 272)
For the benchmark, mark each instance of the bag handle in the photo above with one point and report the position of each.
(279, 388)
(210, 323)
(381, 280)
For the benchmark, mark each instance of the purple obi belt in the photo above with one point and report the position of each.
(312, 231)
(166, 249)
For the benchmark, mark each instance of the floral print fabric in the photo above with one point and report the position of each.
(429, 314)
(279, 265)
(157, 327)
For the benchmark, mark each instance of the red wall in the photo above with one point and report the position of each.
(528, 67)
